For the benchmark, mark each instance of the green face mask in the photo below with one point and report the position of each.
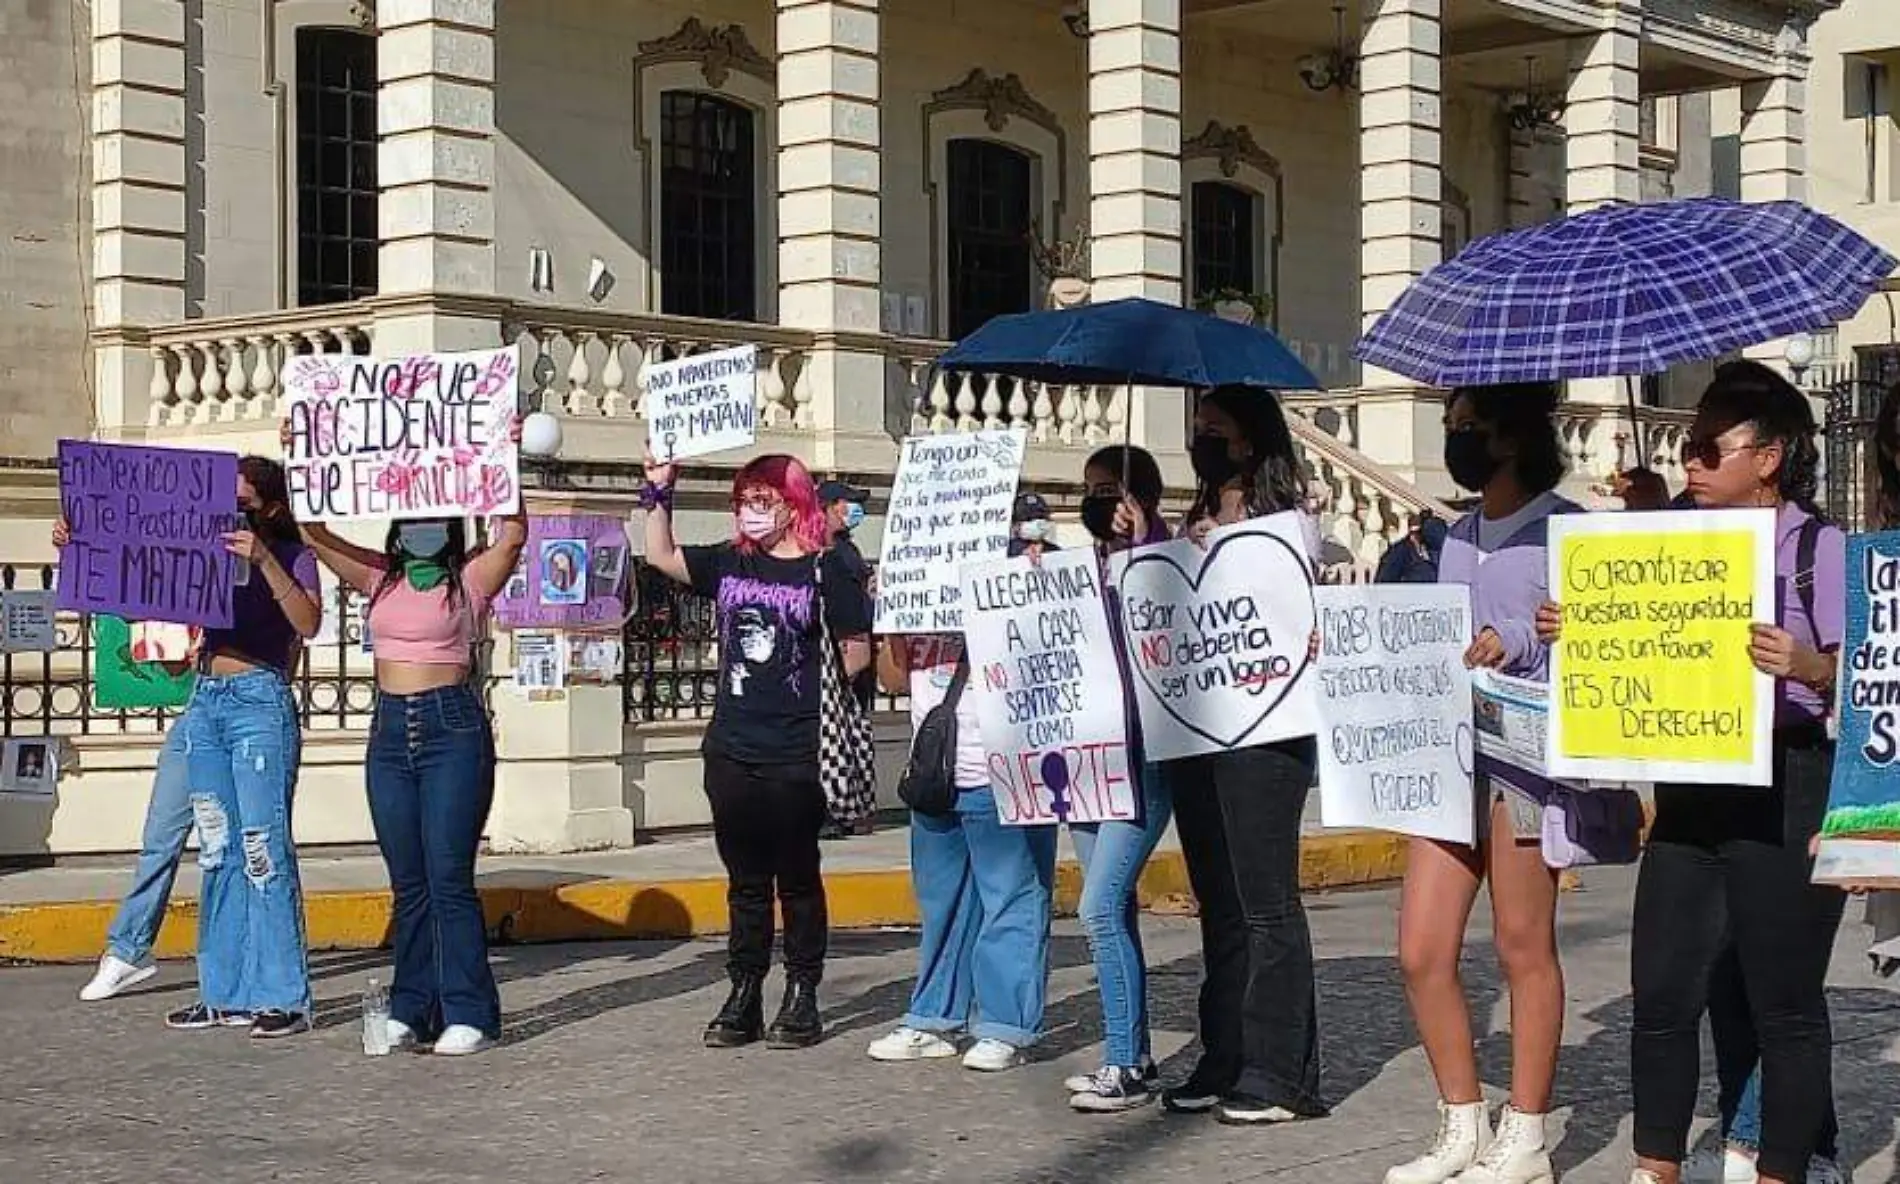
(425, 575)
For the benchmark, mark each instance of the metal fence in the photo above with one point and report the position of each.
(1854, 394)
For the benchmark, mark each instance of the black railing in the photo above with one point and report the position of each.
(1853, 409)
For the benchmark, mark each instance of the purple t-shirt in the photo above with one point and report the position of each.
(259, 630)
(1795, 702)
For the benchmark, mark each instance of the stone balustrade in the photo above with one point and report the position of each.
(1597, 441)
(944, 401)
(224, 370)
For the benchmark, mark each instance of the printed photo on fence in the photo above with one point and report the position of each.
(1048, 690)
(572, 575)
(26, 623)
(593, 658)
(950, 506)
(424, 436)
(1860, 836)
(1395, 744)
(30, 767)
(1220, 638)
(1652, 676)
(148, 527)
(702, 404)
(540, 663)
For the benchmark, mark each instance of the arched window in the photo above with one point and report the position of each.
(1225, 239)
(337, 235)
(989, 207)
(708, 208)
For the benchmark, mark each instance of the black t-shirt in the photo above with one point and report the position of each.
(766, 711)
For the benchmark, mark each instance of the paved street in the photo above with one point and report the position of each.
(603, 1077)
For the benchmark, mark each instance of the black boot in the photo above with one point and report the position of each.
(742, 1020)
(797, 1025)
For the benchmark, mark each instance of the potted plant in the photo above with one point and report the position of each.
(1065, 264)
(1232, 304)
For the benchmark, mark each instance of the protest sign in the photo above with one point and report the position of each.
(1220, 638)
(702, 404)
(425, 436)
(1652, 676)
(1860, 837)
(950, 505)
(1048, 690)
(148, 527)
(26, 622)
(1395, 752)
(571, 575)
(121, 681)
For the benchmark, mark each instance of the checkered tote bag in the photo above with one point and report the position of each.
(847, 750)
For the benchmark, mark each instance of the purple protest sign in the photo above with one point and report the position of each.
(572, 575)
(147, 532)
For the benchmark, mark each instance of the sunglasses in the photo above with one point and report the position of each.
(1708, 451)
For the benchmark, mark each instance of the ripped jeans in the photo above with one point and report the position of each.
(242, 746)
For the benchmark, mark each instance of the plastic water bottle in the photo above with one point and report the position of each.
(375, 1020)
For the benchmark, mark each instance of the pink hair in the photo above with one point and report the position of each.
(788, 477)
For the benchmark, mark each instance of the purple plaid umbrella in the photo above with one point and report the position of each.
(1625, 290)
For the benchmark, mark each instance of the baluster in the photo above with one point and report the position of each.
(580, 399)
(263, 379)
(916, 373)
(966, 401)
(1091, 414)
(237, 380)
(212, 385)
(769, 393)
(158, 392)
(1018, 409)
(941, 402)
(1042, 412)
(798, 389)
(544, 368)
(613, 378)
(1068, 413)
(186, 384)
(1118, 411)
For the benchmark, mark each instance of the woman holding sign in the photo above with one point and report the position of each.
(1501, 443)
(761, 748)
(1732, 863)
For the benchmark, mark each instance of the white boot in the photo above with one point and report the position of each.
(1464, 1131)
(1516, 1156)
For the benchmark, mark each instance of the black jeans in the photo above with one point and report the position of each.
(1238, 816)
(766, 820)
(1730, 863)
(1738, 1056)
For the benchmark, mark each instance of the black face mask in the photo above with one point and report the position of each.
(1469, 461)
(1212, 463)
(1098, 515)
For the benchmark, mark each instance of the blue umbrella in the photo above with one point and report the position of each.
(1134, 341)
(1626, 290)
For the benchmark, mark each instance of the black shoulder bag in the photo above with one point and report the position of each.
(929, 784)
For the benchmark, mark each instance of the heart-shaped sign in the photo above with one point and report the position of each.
(1220, 639)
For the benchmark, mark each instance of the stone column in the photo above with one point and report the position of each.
(829, 221)
(1774, 147)
(138, 195)
(1400, 224)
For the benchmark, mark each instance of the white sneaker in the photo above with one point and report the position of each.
(460, 1040)
(1464, 1131)
(115, 974)
(1082, 1083)
(401, 1035)
(909, 1044)
(992, 1056)
(1516, 1156)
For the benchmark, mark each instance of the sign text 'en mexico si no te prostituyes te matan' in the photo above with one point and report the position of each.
(148, 527)
(425, 436)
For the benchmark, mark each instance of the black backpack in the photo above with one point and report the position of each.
(929, 784)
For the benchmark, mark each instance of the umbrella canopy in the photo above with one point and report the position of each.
(1135, 341)
(1626, 290)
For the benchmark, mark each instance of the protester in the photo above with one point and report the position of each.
(1238, 817)
(431, 763)
(770, 582)
(229, 766)
(983, 888)
(1414, 558)
(1120, 512)
(1732, 863)
(1501, 443)
(1031, 532)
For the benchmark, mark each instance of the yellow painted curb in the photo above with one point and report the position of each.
(75, 931)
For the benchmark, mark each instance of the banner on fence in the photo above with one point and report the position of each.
(702, 404)
(1048, 690)
(950, 505)
(1220, 638)
(120, 681)
(572, 575)
(26, 622)
(1395, 750)
(148, 527)
(1860, 838)
(424, 436)
(1652, 676)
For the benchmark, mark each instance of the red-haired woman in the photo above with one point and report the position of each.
(761, 748)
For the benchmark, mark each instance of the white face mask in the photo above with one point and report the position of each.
(1036, 530)
(758, 526)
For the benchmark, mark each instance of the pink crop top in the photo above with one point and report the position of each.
(425, 627)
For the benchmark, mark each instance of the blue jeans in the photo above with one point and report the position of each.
(431, 780)
(242, 747)
(167, 826)
(984, 891)
(1112, 855)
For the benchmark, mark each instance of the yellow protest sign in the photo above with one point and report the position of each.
(1651, 680)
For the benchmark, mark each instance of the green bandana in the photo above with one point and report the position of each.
(425, 575)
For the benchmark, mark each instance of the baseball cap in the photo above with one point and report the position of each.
(1030, 506)
(838, 491)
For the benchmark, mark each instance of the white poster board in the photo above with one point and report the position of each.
(702, 404)
(1395, 748)
(1048, 690)
(950, 505)
(424, 436)
(1220, 638)
(26, 622)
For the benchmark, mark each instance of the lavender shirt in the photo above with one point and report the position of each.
(1795, 703)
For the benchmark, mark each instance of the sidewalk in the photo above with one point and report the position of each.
(674, 888)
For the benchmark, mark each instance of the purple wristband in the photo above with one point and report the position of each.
(654, 497)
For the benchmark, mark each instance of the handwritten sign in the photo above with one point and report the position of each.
(1048, 690)
(425, 436)
(1860, 837)
(1219, 638)
(1395, 751)
(26, 623)
(1651, 676)
(148, 528)
(702, 404)
(572, 575)
(950, 505)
